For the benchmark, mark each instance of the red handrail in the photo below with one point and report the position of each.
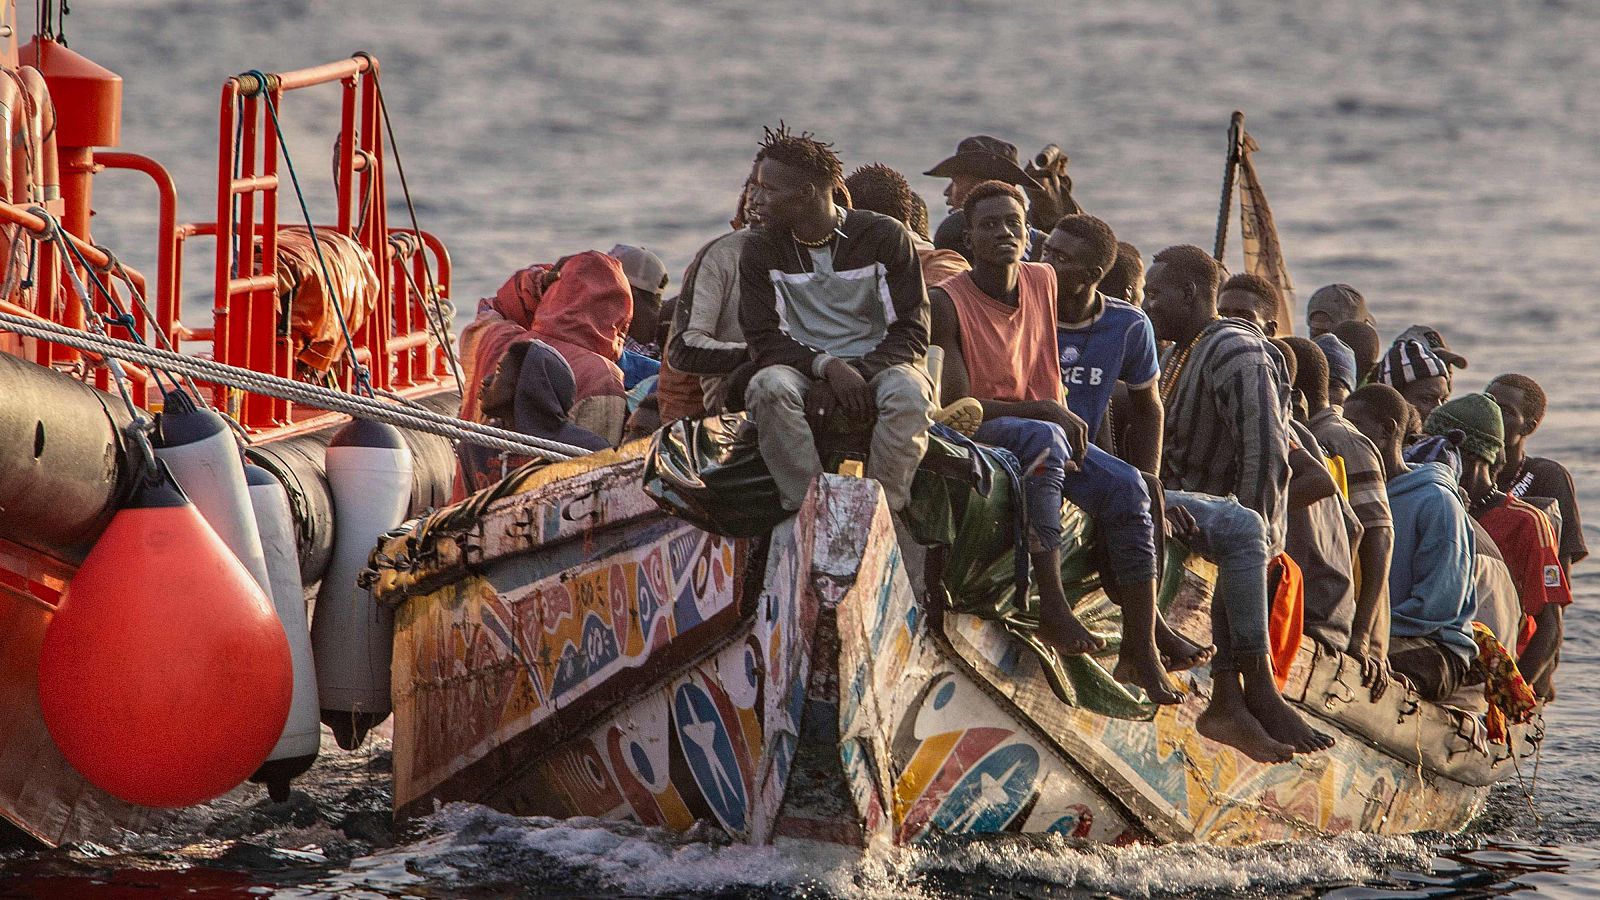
(20, 216)
(247, 326)
(167, 274)
(393, 341)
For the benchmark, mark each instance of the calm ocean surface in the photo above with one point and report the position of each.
(1444, 158)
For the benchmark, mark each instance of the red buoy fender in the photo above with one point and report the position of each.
(164, 676)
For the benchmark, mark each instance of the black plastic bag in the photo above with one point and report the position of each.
(710, 472)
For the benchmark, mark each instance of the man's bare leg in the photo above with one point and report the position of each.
(1178, 652)
(1058, 626)
(1275, 714)
(1227, 720)
(1139, 661)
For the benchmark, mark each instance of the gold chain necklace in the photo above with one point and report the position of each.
(826, 240)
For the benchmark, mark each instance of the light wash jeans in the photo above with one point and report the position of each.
(776, 399)
(1235, 538)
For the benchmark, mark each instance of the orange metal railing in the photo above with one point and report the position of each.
(247, 326)
(167, 297)
(52, 295)
(246, 314)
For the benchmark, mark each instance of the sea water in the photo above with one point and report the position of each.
(1443, 158)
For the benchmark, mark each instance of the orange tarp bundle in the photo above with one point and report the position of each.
(313, 322)
(1288, 619)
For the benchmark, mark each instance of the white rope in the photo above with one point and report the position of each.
(294, 391)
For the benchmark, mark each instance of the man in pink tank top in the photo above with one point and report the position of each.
(996, 325)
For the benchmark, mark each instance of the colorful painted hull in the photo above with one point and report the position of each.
(575, 652)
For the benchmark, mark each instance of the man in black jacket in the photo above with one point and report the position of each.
(835, 314)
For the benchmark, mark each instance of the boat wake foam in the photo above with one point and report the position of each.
(465, 845)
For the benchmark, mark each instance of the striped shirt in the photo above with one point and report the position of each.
(1363, 470)
(1227, 422)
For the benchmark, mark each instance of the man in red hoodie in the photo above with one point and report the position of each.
(584, 315)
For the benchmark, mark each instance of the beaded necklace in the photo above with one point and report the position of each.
(800, 255)
(1169, 378)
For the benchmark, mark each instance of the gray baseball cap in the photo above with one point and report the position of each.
(1340, 302)
(644, 269)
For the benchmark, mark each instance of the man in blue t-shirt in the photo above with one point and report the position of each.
(1103, 340)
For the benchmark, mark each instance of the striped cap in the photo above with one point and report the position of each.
(1437, 448)
(1408, 361)
(1436, 342)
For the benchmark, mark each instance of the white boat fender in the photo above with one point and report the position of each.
(199, 449)
(296, 750)
(369, 472)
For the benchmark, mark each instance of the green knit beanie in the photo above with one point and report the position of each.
(1478, 417)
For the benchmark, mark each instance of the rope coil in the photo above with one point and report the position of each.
(256, 82)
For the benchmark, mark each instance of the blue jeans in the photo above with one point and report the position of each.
(1108, 490)
(1235, 538)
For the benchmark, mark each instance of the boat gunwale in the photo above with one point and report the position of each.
(430, 552)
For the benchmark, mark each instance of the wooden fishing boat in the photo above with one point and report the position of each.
(568, 649)
(63, 456)
(564, 647)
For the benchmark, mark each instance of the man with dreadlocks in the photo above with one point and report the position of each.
(835, 314)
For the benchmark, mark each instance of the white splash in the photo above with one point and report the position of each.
(472, 846)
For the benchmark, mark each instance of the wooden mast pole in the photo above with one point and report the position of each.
(1229, 174)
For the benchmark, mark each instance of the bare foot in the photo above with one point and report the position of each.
(1178, 652)
(1280, 719)
(1061, 630)
(1144, 670)
(1232, 724)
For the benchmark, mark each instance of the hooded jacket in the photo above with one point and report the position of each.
(501, 319)
(1431, 591)
(584, 315)
(544, 397)
(531, 392)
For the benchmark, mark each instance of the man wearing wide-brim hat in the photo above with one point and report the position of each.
(980, 158)
(977, 159)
